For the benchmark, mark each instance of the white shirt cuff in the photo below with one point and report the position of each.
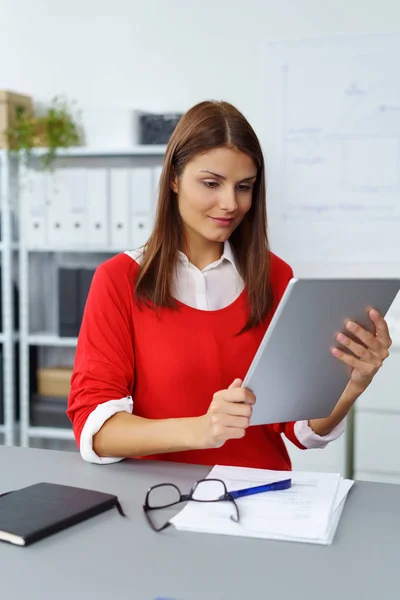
(95, 422)
(309, 439)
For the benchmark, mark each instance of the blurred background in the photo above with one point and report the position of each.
(90, 92)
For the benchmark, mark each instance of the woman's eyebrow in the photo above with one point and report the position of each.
(223, 177)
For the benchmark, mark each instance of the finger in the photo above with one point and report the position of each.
(375, 346)
(382, 329)
(361, 366)
(368, 338)
(233, 433)
(239, 395)
(358, 349)
(238, 409)
(230, 421)
(237, 383)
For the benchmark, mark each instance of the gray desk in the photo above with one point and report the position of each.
(111, 557)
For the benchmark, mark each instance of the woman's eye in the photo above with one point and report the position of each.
(211, 184)
(242, 187)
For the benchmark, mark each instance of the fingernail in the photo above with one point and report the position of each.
(351, 325)
(341, 338)
(336, 352)
(374, 313)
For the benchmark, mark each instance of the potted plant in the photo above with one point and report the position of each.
(56, 128)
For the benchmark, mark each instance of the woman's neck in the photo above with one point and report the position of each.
(202, 252)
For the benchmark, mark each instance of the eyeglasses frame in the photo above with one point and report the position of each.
(185, 498)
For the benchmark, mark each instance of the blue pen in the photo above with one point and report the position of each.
(285, 484)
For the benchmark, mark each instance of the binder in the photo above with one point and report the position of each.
(141, 198)
(67, 208)
(76, 182)
(97, 190)
(85, 280)
(120, 187)
(68, 302)
(141, 230)
(73, 289)
(34, 194)
(141, 205)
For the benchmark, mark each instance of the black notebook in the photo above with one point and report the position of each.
(37, 511)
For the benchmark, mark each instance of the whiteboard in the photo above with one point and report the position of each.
(332, 147)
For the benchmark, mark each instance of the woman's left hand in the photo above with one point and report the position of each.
(366, 356)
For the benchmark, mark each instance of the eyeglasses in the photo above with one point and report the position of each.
(165, 495)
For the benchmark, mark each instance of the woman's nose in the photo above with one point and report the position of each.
(228, 201)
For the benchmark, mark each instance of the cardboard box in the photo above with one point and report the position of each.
(54, 381)
(10, 103)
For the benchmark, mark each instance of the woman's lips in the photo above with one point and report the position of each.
(223, 221)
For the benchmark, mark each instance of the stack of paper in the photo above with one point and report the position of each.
(307, 512)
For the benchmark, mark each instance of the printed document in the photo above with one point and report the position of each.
(307, 512)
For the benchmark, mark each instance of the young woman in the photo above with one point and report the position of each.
(170, 330)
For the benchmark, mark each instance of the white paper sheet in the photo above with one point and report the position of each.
(309, 511)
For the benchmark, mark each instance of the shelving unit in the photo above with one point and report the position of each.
(47, 336)
(50, 339)
(7, 336)
(84, 151)
(54, 433)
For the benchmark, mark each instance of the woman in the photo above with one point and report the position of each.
(170, 330)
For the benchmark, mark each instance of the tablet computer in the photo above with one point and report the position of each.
(293, 374)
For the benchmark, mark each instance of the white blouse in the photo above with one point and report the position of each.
(212, 288)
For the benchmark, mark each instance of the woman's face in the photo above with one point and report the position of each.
(214, 193)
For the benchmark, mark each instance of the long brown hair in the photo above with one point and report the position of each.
(202, 128)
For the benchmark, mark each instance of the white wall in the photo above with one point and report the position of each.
(164, 54)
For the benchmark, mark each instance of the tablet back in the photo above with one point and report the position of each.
(294, 375)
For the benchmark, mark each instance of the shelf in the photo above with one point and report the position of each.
(77, 249)
(84, 151)
(56, 433)
(51, 339)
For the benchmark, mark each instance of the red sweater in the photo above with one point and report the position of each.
(171, 363)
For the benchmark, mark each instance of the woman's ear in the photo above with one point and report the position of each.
(174, 183)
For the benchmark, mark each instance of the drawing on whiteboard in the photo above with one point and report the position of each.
(332, 146)
(340, 131)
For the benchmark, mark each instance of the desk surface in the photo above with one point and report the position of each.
(111, 557)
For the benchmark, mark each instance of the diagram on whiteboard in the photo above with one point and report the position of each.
(334, 144)
(343, 149)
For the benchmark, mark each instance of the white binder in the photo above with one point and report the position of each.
(33, 193)
(98, 221)
(76, 181)
(141, 199)
(120, 186)
(141, 205)
(141, 230)
(67, 208)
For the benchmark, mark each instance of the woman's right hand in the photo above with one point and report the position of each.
(228, 416)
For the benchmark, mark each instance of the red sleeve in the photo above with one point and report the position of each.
(281, 274)
(104, 360)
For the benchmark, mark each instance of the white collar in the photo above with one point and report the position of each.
(227, 254)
